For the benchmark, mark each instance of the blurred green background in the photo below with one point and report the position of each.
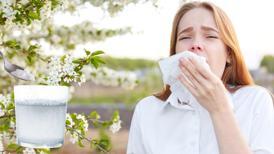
(150, 82)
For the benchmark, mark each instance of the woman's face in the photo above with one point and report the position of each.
(197, 32)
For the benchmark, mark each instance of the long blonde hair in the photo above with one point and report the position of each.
(235, 73)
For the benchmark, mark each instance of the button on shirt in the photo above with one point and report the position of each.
(159, 127)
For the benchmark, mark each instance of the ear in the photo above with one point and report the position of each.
(228, 58)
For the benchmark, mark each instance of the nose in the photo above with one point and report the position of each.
(196, 48)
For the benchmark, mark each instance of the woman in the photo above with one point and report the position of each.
(239, 123)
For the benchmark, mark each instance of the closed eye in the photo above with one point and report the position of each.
(211, 36)
(184, 38)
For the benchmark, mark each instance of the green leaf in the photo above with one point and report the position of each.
(80, 143)
(87, 52)
(115, 116)
(99, 60)
(106, 124)
(73, 116)
(62, 58)
(62, 83)
(104, 141)
(94, 115)
(94, 63)
(96, 124)
(29, 60)
(68, 122)
(12, 44)
(78, 61)
(46, 151)
(54, 4)
(33, 15)
(71, 46)
(98, 52)
(2, 106)
(11, 106)
(32, 48)
(12, 147)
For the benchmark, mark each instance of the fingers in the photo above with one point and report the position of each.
(187, 84)
(200, 68)
(190, 78)
(193, 74)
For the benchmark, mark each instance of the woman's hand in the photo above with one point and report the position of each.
(204, 85)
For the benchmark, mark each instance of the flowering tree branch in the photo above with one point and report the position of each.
(24, 24)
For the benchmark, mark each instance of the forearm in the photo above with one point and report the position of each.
(229, 137)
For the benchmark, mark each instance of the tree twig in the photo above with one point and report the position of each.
(89, 140)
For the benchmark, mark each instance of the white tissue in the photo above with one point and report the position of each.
(170, 71)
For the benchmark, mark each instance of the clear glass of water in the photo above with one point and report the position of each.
(40, 115)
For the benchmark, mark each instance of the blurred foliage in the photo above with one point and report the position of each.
(149, 83)
(128, 63)
(68, 37)
(113, 7)
(268, 62)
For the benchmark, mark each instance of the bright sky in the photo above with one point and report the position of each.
(152, 26)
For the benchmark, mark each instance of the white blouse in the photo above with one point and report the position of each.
(158, 127)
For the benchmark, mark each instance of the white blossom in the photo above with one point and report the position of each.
(68, 117)
(82, 79)
(109, 77)
(129, 80)
(12, 124)
(68, 67)
(73, 138)
(9, 24)
(8, 11)
(45, 11)
(24, 1)
(81, 117)
(4, 102)
(9, 137)
(5, 99)
(36, 26)
(1, 147)
(59, 70)
(29, 151)
(7, 2)
(116, 126)
(1, 112)
(63, 5)
(55, 70)
(55, 38)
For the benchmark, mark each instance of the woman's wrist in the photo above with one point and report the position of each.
(220, 112)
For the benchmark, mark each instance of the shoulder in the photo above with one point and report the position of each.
(254, 90)
(256, 96)
(148, 104)
(148, 101)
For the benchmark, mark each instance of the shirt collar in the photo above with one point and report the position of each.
(175, 102)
